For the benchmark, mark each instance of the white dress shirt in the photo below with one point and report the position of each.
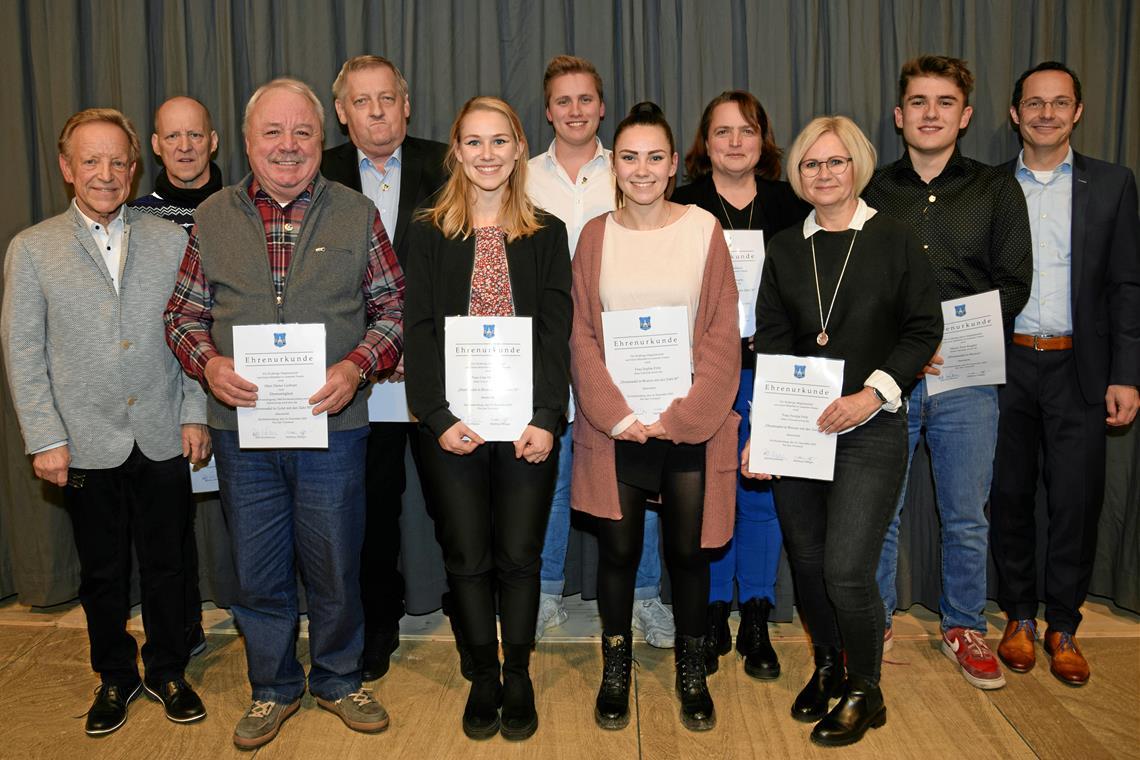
(576, 201)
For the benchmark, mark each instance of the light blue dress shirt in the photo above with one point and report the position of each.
(1049, 196)
(382, 186)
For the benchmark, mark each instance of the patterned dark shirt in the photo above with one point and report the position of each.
(972, 222)
(188, 316)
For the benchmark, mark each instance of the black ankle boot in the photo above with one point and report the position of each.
(752, 640)
(481, 715)
(696, 703)
(718, 639)
(826, 683)
(519, 718)
(611, 711)
(860, 708)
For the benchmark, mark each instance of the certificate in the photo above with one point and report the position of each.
(973, 344)
(747, 250)
(204, 479)
(388, 402)
(648, 357)
(789, 395)
(489, 366)
(287, 364)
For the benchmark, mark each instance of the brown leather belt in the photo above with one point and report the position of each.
(1044, 342)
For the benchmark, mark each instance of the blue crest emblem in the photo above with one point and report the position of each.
(488, 331)
(800, 370)
(960, 310)
(645, 322)
(279, 340)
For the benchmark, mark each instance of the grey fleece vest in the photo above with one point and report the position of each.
(323, 283)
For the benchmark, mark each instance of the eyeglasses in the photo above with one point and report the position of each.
(836, 165)
(1037, 104)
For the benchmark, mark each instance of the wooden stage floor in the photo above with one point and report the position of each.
(46, 686)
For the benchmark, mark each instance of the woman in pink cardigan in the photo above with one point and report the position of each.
(652, 253)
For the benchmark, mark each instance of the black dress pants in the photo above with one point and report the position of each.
(490, 511)
(146, 503)
(1042, 409)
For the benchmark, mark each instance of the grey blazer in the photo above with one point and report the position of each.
(87, 365)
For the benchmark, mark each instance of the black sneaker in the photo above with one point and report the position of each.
(180, 702)
(109, 710)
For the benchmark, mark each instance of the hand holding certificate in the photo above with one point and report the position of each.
(973, 344)
(648, 357)
(287, 364)
(789, 395)
(489, 368)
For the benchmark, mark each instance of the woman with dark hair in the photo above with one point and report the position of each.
(484, 250)
(654, 253)
(733, 167)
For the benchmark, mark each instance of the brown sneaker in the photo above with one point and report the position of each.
(359, 711)
(1069, 665)
(1016, 647)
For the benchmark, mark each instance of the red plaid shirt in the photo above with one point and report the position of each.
(188, 318)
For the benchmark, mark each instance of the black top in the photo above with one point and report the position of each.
(972, 222)
(775, 208)
(438, 284)
(887, 314)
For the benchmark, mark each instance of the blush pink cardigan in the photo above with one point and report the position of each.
(704, 415)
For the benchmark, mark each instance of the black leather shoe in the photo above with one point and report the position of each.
(481, 714)
(860, 708)
(611, 710)
(697, 712)
(825, 684)
(180, 702)
(378, 651)
(718, 638)
(109, 710)
(752, 640)
(519, 719)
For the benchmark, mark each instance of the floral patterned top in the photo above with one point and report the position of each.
(490, 280)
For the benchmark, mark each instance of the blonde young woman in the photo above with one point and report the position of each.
(484, 250)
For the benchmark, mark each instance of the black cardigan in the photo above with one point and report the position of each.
(438, 284)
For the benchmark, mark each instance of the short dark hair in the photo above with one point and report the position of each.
(697, 163)
(1019, 85)
(645, 114)
(954, 69)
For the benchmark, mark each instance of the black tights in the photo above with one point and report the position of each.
(619, 551)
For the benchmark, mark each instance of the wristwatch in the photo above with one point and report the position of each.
(878, 394)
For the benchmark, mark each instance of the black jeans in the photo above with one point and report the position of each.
(490, 511)
(149, 503)
(833, 533)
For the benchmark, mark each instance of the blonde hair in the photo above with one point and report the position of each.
(362, 63)
(452, 213)
(862, 153)
(107, 116)
(295, 86)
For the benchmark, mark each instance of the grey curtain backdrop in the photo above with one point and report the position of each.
(801, 57)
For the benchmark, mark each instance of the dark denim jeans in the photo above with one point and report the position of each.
(290, 509)
(833, 533)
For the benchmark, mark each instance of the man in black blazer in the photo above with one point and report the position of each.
(398, 173)
(1074, 367)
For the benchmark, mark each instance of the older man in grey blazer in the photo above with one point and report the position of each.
(105, 410)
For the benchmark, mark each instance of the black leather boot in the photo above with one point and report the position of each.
(611, 711)
(481, 715)
(752, 640)
(696, 703)
(825, 684)
(718, 638)
(519, 719)
(860, 708)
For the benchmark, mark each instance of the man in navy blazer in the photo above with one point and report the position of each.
(1073, 368)
(398, 173)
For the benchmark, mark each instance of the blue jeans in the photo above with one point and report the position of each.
(961, 432)
(290, 509)
(553, 574)
(752, 556)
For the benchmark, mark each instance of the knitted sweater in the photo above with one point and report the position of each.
(176, 204)
(703, 415)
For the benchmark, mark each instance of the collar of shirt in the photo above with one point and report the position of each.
(905, 168)
(1024, 172)
(113, 229)
(396, 160)
(600, 154)
(863, 212)
(108, 239)
(256, 193)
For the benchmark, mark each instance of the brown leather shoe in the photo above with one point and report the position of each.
(1069, 665)
(1016, 647)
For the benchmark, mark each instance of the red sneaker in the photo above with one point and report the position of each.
(966, 647)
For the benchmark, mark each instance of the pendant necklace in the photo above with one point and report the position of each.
(821, 339)
(727, 218)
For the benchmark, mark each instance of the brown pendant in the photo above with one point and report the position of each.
(821, 339)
